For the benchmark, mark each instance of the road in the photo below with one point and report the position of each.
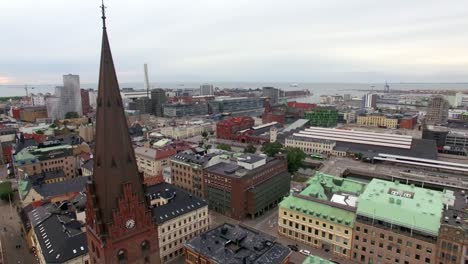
(10, 232)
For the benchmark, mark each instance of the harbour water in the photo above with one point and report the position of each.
(355, 89)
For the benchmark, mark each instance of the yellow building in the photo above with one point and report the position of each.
(152, 161)
(310, 145)
(377, 121)
(179, 217)
(322, 215)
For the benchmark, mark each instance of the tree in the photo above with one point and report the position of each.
(53, 126)
(39, 132)
(5, 190)
(70, 115)
(224, 147)
(204, 134)
(271, 149)
(359, 155)
(295, 158)
(250, 149)
(211, 132)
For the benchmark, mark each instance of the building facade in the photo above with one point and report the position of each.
(322, 215)
(322, 117)
(397, 223)
(247, 187)
(152, 161)
(158, 99)
(85, 104)
(206, 89)
(437, 111)
(179, 216)
(33, 113)
(311, 145)
(377, 120)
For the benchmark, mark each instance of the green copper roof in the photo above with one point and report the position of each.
(405, 205)
(321, 184)
(316, 260)
(24, 156)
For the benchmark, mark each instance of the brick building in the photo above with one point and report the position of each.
(247, 187)
(227, 129)
(85, 102)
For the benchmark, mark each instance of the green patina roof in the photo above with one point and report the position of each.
(31, 155)
(320, 182)
(23, 188)
(386, 201)
(322, 186)
(24, 156)
(316, 260)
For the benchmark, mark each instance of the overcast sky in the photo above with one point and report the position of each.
(237, 40)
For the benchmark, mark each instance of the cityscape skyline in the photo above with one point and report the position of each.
(300, 42)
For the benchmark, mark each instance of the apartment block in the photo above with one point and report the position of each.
(377, 120)
(179, 217)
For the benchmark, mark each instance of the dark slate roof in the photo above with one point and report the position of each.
(179, 202)
(239, 244)
(89, 164)
(77, 184)
(79, 202)
(40, 178)
(190, 157)
(20, 145)
(420, 148)
(250, 158)
(59, 235)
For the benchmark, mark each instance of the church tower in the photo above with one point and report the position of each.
(119, 224)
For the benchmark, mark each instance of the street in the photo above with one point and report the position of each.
(10, 232)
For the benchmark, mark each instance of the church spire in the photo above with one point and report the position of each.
(103, 9)
(114, 159)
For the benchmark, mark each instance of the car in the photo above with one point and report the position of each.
(304, 252)
(293, 247)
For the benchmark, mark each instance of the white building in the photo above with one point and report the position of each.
(206, 89)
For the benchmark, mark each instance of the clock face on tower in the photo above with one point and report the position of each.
(130, 224)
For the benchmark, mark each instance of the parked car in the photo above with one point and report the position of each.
(304, 252)
(293, 247)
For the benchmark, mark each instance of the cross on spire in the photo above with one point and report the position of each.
(103, 8)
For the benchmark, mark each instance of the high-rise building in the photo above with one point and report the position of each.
(158, 99)
(370, 100)
(437, 111)
(119, 223)
(70, 94)
(272, 93)
(85, 106)
(206, 89)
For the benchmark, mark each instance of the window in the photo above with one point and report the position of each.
(145, 247)
(121, 256)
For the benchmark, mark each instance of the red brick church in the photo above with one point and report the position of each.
(119, 224)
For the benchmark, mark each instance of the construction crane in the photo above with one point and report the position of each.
(26, 88)
(146, 80)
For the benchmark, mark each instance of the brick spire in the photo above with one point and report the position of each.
(114, 159)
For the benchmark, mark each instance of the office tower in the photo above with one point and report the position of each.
(206, 89)
(70, 94)
(158, 99)
(370, 100)
(272, 93)
(437, 111)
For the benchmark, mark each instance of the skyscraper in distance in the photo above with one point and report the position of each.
(119, 224)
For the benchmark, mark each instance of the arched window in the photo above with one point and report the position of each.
(121, 256)
(145, 247)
